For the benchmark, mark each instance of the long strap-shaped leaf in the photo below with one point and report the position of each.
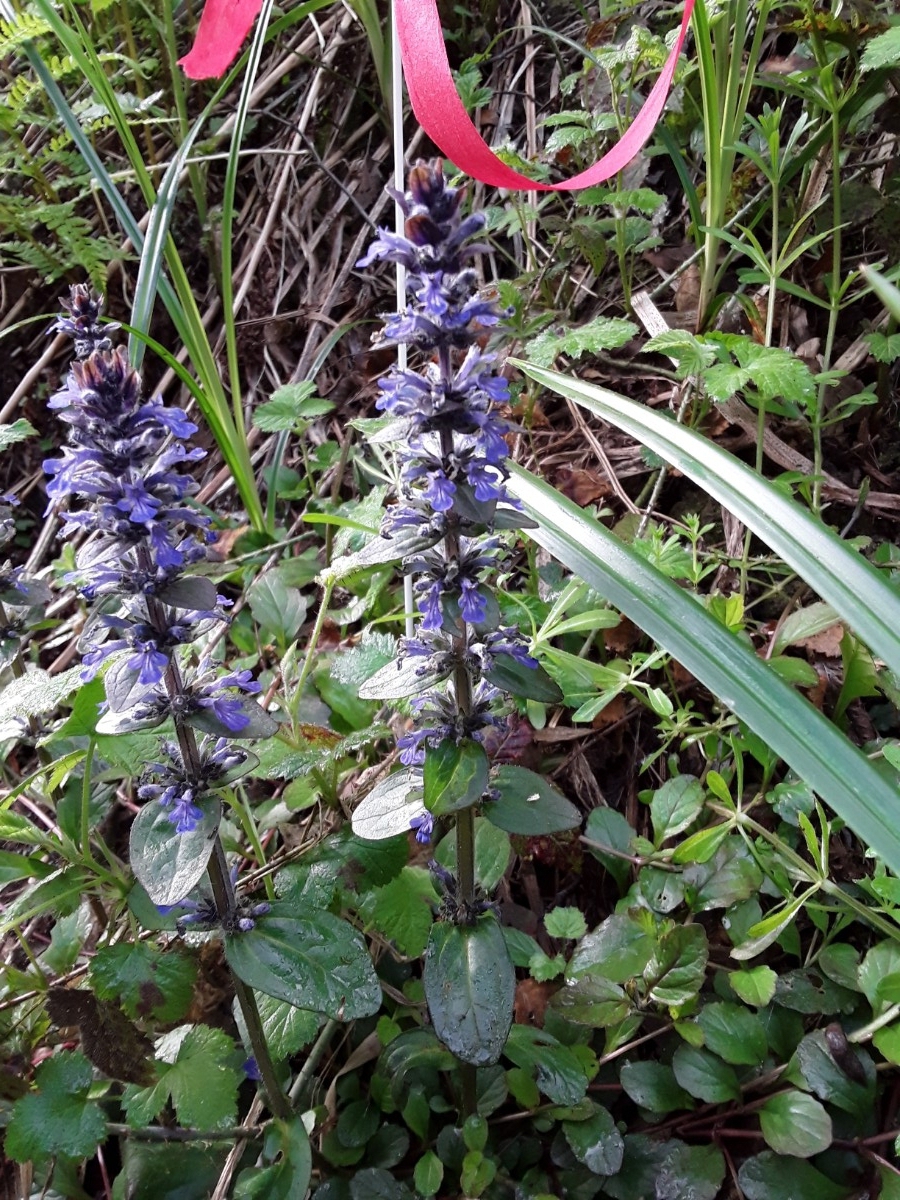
(797, 732)
(857, 591)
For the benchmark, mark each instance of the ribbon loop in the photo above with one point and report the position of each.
(439, 110)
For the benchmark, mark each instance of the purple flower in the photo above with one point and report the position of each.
(424, 827)
(472, 602)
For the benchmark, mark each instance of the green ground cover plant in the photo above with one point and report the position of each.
(450, 746)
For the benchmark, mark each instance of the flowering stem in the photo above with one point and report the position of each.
(223, 894)
(219, 877)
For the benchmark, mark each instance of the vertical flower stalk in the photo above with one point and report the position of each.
(121, 480)
(450, 431)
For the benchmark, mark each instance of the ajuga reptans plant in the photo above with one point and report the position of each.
(447, 528)
(121, 484)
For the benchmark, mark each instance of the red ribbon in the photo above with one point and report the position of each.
(440, 112)
(432, 92)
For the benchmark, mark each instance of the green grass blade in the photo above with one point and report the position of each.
(798, 733)
(856, 590)
(153, 251)
(177, 295)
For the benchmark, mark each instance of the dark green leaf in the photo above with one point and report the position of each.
(619, 949)
(677, 968)
(596, 1142)
(652, 1085)
(169, 864)
(316, 961)
(850, 1086)
(528, 804)
(196, 1071)
(530, 683)
(470, 986)
(146, 982)
(770, 1176)
(794, 1123)
(558, 1070)
(288, 1177)
(455, 776)
(675, 806)
(733, 1033)
(177, 1172)
(807, 991)
(607, 827)
(58, 1118)
(591, 1000)
(731, 874)
(704, 1075)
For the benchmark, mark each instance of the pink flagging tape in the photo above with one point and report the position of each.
(432, 92)
(223, 26)
(439, 110)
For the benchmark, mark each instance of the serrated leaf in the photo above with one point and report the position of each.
(286, 407)
(402, 910)
(37, 693)
(528, 804)
(794, 1123)
(565, 923)
(398, 679)
(17, 431)
(455, 776)
(603, 333)
(169, 864)
(287, 1028)
(390, 806)
(881, 51)
(314, 961)
(146, 982)
(470, 987)
(195, 1072)
(690, 353)
(58, 1118)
